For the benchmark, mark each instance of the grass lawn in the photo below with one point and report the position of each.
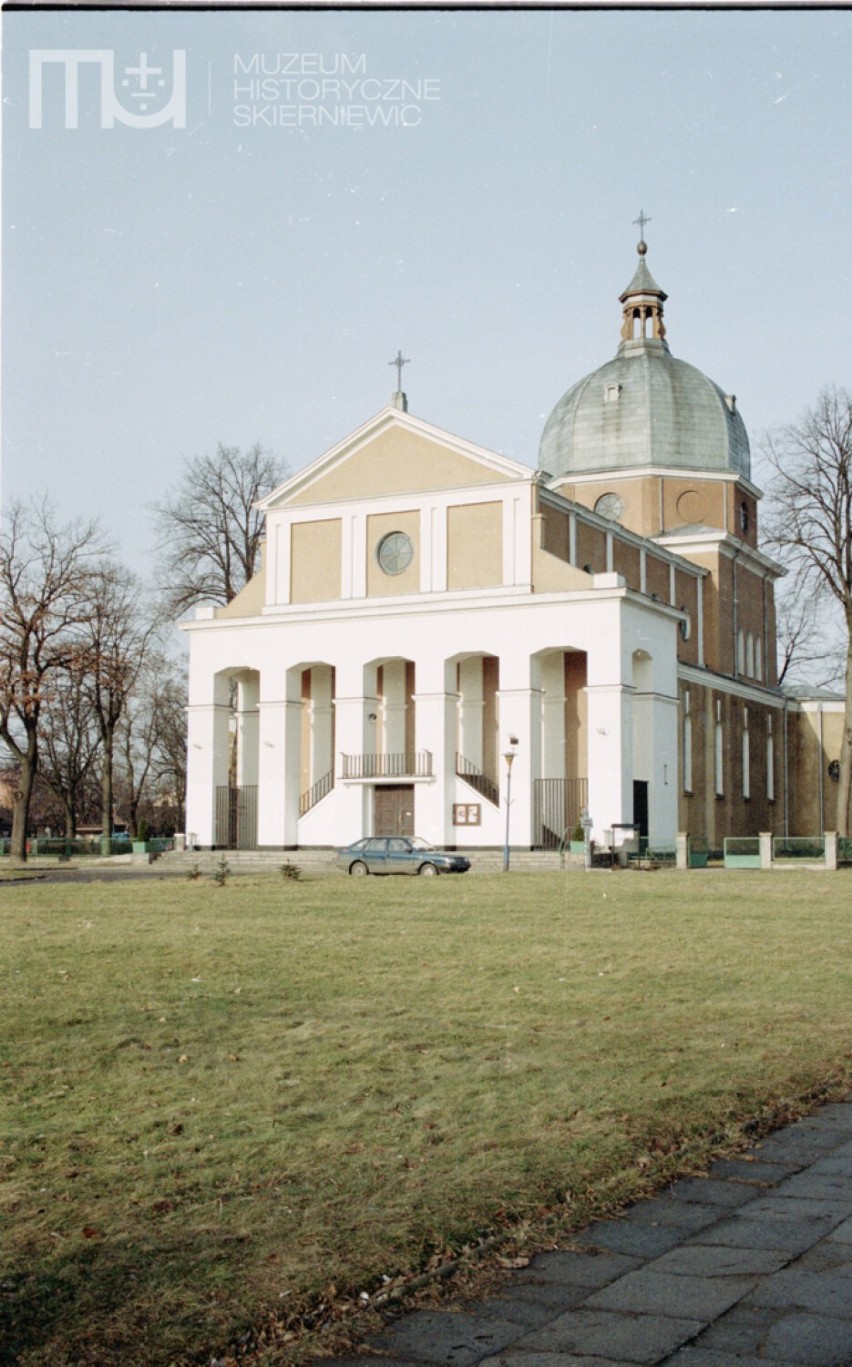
(226, 1108)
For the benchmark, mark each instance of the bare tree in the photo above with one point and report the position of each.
(70, 744)
(170, 769)
(809, 648)
(117, 637)
(810, 525)
(45, 574)
(210, 532)
(152, 744)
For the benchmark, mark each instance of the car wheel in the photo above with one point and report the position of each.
(358, 869)
(428, 869)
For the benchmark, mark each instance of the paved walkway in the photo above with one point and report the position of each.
(750, 1266)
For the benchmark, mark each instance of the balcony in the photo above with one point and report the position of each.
(410, 764)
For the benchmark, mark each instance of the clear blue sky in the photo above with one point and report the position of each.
(166, 288)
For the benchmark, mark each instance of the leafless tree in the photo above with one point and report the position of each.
(152, 745)
(117, 637)
(45, 577)
(809, 645)
(70, 744)
(810, 525)
(209, 532)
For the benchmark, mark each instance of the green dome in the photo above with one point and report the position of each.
(645, 407)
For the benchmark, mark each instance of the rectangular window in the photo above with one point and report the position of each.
(687, 743)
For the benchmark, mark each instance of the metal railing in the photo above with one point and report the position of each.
(409, 764)
(480, 782)
(557, 808)
(316, 793)
(236, 817)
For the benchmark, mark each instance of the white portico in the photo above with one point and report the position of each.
(422, 600)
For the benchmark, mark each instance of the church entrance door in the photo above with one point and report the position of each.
(640, 806)
(393, 809)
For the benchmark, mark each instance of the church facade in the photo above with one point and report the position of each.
(433, 622)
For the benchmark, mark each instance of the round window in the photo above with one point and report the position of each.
(610, 505)
(395, 552)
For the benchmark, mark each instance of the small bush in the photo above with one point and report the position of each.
(291, 871)
(222, 872)
(194, 872)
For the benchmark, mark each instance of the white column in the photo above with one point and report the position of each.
(655, 759)
(279, 771)
(355, 735)
(519, 698)
(436, 719)
(610, 732)
(206, 764)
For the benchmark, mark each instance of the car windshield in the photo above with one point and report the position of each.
(417, 844)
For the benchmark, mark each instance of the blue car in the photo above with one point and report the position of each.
(398, 854)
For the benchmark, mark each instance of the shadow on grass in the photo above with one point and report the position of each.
(110, 1303)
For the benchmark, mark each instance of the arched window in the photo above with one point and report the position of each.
(750, 655)
(719, 739)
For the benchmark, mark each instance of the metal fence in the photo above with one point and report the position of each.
(557, 806)
(236, 818)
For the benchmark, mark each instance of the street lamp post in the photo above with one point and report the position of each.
(509, 758)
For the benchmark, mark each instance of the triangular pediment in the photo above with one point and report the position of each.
(394, 453)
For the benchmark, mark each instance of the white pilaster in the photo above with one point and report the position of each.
(206, 768)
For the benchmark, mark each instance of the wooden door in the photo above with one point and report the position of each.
(393, 809)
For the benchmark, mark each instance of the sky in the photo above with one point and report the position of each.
(463, 188)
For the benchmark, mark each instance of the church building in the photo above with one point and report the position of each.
(427, 609)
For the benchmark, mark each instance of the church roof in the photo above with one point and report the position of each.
(645, 407)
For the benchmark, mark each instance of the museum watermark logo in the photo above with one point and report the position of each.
(318, 89)
(139, 96)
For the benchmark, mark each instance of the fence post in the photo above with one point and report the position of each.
(682, 850)
(831, 849)
(765, 839)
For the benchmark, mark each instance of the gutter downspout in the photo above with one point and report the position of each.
(786, 771)
(821, 782)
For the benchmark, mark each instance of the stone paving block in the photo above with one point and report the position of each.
(816, 1186)
(797, 1207)
(591, 1270)
(636, 1240)
(741, 1331)
(843, 1233)
(814, 1340)
(612, 1335)
(797, 1288)
(709, 1191)
(740, 1169)
(523, 1359)
(781, 1232)
(445, 1336)
(797, 1149)
(837, 1115)
(839, 1162)
(665, 1210)
(827, 1256)
(693, 1355)
(662, 1293)
(704, 1260)
(533, 1305)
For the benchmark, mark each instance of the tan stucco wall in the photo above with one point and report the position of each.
(396, 461)
(692, 502)
(379, 584)
(475, 546)
(809, 769)
(315, 561)
(576, 715)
